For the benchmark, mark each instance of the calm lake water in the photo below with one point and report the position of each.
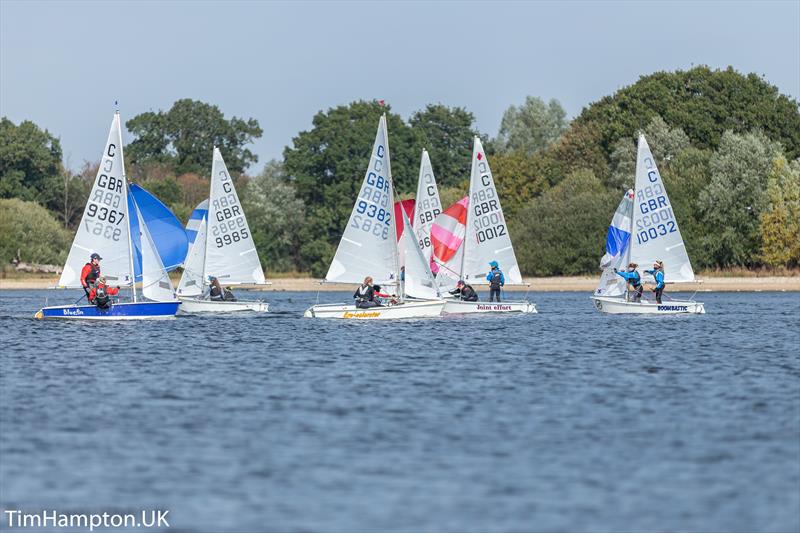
(568, 420)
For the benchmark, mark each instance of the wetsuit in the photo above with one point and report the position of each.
(496, 281)
(659, 277)
(466, 293)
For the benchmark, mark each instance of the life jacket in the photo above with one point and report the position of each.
(468, 294)
(494, 283)
(364, 294)
(228, 296)
(216, 293)
(101, 298)
(636, 281)
(93, 274)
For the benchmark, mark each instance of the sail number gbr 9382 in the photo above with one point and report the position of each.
(228, 226)
(372, 213)
(488, 220)
(105, 210)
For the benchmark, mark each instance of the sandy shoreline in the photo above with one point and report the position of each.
(550, 284)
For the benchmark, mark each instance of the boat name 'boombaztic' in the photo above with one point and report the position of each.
(673, 308)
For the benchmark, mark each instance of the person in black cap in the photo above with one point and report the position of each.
(90, 272)
(465, 292)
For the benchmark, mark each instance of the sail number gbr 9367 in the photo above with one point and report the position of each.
(372, 213)
(655, 217)
(488, 219)
(229, 226)
(105, 210)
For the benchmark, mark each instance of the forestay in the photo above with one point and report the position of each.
(655, 229)
(427, 207)
(192, 280)
(617, 249)
(231, 254)
(369, 245)
(105, 224)
(487, 237)
(156, 284)
(419, 282)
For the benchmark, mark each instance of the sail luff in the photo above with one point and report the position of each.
(393, 228)
(127, 211)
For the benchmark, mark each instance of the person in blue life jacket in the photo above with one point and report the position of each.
(635, 287)
(496, 281)
(658, 275)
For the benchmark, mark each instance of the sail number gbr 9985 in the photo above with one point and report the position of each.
(229, 226)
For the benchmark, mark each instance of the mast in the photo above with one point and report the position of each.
(208, 212)
(469, 214)
(393, 232)
(127, 211)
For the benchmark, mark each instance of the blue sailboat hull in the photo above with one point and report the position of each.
(119, 311)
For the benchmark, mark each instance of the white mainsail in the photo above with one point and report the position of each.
(105, 224)
(427, 205)
(655, 229)
(230, 253)
(369, 245)
(192, 280)
(419, 281)
(156, 284)
(487, 237)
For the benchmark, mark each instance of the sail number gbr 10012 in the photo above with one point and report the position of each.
(372, 213)
(229, 226)
(487, 218)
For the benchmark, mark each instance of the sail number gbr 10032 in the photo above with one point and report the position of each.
(655, 218)
(229, 226)
(372, 213)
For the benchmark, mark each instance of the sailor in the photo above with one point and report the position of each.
(377, 295)
(496, 281)
(227, 295)
(465, 292)
(90, 272)
(365, 295)
(635, 287)
(658, 275)
(216, 293)
(100, 294)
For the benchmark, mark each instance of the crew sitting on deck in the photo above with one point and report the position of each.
(365, 295)
(635, 287)
(658, 275)
(90, 272)
(217, 293)
(100, 294)
(465, 292)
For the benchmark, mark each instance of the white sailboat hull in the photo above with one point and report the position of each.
(618, 306)
(415, 309)
(459, 307)
(195, 305)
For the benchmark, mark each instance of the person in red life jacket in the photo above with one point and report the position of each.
(90, 272)
(101, 294)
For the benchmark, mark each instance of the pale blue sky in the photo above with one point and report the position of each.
(62, 64)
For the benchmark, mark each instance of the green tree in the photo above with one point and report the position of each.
(532, 126)
(30, 160)
(732, 203)
(275, 216)
(780, 221)
(34, 231)
(183, 138)
(562, 231)
(447, 133)
(327, 165)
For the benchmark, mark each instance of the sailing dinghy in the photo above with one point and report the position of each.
(223, 248)
(644, 230)
(478, 220)
(370, 247)
(114, 227)
(427, 207)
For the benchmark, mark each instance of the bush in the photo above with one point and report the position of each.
(34, 231)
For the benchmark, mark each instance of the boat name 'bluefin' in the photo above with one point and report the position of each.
(73, 312)
(673, 308)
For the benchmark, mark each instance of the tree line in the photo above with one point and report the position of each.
(727, 146)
